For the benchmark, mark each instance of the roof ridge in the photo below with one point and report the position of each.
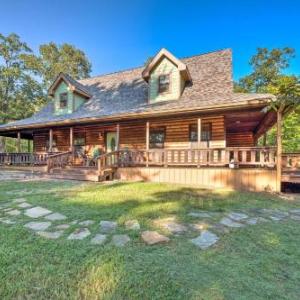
(139, 67)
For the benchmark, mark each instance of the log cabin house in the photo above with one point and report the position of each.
(173, 120)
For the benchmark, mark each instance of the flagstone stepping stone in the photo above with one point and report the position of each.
(171, 225)
(86, 223)
(63, 226)
(237, 216)
(37, 212)
(153, 237)
(14, 212)
(295, 211)
(108, 226)
(79, 234)
(120, 240)
(8, 222)
(99, 239)
(199, 215)
(205, 240)
(252, 221)
(38, 226)
(278, 215)
(8, 209)
(295, 217)
(132, 225)
(55, 217)
(24, 205)
(52, 235)
(19, 200)
(74, 222)
(228, 222)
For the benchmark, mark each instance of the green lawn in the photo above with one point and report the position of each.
(256, 262)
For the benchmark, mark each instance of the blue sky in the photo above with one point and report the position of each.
(118, 35)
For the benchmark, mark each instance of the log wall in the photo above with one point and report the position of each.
(133, 135)
(236, 179)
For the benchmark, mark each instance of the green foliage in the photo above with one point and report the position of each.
(53, 59)
(268, 77)
(18, 88)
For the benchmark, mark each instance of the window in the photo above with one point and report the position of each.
(79, 141)
(206, 132)
(163, 84)
(63, 100)
(157, 138)
(193, 133)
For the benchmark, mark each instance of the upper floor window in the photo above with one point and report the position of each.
(206, 132)
(63, 100)
(163, 84)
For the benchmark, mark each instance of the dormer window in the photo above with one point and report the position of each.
(164, 84)
(63, 100)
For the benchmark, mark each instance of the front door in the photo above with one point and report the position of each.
(111, 141)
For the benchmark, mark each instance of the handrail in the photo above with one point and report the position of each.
(244, 156)
(59, 160)
(24, 158)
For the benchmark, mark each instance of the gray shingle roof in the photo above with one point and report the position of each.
(126, 92)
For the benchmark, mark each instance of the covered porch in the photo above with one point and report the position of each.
(227, 140)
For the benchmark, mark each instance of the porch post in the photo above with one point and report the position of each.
(71, 139)
(19, 142)
(50, 140)
(147, 142)
(199, 133)
(118, 137)
(279, 150)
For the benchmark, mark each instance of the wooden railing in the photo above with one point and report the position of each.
(254, 156)
(23, 158)
(291, 161)
(60, 160)
(108, 160)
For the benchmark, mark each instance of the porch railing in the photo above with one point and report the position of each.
(60, 160)
(291, 161)
(245, 156)
(24, 158)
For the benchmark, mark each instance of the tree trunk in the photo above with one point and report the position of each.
(279, 149)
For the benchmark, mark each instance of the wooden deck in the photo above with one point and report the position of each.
(248, 168)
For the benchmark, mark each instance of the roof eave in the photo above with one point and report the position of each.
(215, 108)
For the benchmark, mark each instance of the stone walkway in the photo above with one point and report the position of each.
(203, 230)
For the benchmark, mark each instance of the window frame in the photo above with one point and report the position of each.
(209, 131)
(76, 144)
(157, 145)
(159, 84)
(65, 101)
(191, 129)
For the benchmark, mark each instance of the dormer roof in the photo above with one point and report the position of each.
(73, 85)
(183, 69)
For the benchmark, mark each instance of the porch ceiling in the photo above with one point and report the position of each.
(257, 121)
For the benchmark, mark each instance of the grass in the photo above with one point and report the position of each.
(256, 262)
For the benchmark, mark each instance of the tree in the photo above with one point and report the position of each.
(53, 59)
(267, 76)
(18, 89)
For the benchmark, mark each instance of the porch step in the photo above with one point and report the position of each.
(76, 171)
(82, 173)
(80, 177)
(292, 177)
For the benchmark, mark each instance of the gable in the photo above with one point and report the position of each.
(165, 67)
(74, 101)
